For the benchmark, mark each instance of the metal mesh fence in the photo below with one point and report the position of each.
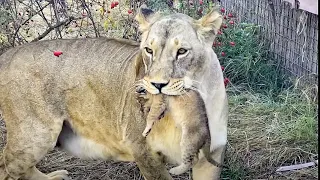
(291, 34)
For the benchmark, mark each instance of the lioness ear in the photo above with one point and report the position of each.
(208, 25)
(145, 17)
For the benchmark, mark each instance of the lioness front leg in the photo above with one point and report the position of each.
(150, 164)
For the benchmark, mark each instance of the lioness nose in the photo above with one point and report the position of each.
(159, 85)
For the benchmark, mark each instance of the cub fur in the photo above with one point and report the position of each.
(189, 114)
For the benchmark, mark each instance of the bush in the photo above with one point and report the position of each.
(244, 56)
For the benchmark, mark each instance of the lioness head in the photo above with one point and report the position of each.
(175, 49)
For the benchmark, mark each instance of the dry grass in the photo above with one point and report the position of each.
(264, 134)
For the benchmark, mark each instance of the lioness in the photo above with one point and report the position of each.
(189, 113)
(83, 100)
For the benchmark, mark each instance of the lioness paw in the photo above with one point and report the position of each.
(59, 175)
(179, 170)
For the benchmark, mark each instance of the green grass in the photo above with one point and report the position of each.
(266, 133)
(247, 63)
(273, 121)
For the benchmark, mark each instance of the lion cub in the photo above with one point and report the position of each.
(189, 113)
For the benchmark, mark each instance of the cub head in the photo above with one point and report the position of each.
(176, 49)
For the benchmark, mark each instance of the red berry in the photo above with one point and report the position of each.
(116, 3)
(219, 32)
(231, 22)
(230, 15)
(219, 43)
(57, 53)
(112, 5)
(223, 53)
(224, 17)
(214, 44)
(222, 68)
(129, 11)
(224, 26)
(232, 43)
(200, 2)
(226, 81)
(223, 10)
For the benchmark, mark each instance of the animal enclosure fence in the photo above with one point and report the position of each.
(291, 34)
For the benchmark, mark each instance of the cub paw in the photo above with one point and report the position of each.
(146, 132)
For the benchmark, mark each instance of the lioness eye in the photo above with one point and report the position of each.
(182, 51)
(148, 50)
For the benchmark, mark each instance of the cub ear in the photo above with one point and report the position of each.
(145, 17)
(208, 26)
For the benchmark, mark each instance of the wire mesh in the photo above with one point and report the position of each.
(291, 34)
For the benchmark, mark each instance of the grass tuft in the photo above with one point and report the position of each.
(266, 133)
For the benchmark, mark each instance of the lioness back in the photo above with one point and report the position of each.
(87, 86)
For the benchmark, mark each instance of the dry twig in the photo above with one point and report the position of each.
(297, 166)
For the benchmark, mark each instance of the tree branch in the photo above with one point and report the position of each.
(86, 8)
(17, 30)
(65, 22)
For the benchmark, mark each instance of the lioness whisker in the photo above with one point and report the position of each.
(196, 81)
(134, 86)
(188, 94)
(183, 98)
(196, 89)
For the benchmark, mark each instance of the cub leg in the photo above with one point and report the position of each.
(156, 109)
(148, 127)
(190, 144)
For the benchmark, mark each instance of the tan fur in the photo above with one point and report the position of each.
(153, 108)
(90, 88)
(189, 113)
(197, 69)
